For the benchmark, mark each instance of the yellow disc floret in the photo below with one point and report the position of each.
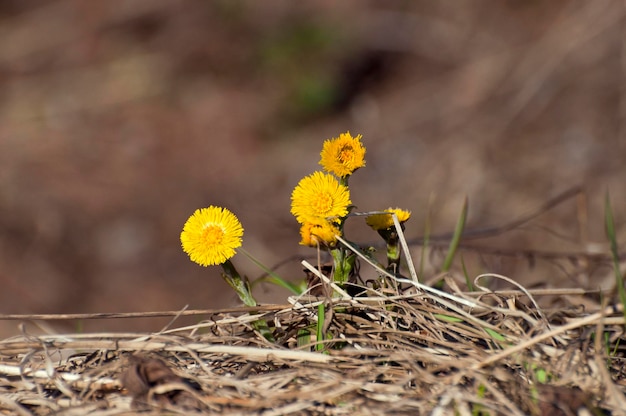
(211, 235)
(343, 155)
(319, 197)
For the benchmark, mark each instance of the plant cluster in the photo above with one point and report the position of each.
(386, 349)
(321, 204)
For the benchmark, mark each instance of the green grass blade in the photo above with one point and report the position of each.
(610, 232)
(271, 276)
(495, 335)
(426, 236)
(456, 238)
(468, 281)
(447, 318)
(321, 316)
(304, 337)
(278, 281)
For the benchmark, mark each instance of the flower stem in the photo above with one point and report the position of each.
(234, 280)
(343, 262)
(393, 252)
(242, 288)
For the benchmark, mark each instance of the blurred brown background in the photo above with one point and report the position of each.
(119, 118)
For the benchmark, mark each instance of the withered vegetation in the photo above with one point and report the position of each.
(397, 350)
(391, 345)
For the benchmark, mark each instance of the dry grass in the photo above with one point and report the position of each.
(397, 346)
(401, 351)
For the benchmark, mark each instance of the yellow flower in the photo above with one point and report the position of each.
(384, 221)
(319, 197)
(319, 234)
(343, 155)
(211, 235)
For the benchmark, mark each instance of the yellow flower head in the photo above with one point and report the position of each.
(384, 221)
(211, 235)
(343, 155)
(319, 234)
(319, 197)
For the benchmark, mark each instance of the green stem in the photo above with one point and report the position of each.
(343, 262)
(242, 288)
(393, 253)
(234, 280)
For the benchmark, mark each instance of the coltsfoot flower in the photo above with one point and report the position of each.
(383, 221)
(211, 235)
(323, 234)
(319, 197)
(343, 155)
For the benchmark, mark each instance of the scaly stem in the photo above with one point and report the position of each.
(242, 288)
(393, 252)
(234, 280)
(343, 262)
